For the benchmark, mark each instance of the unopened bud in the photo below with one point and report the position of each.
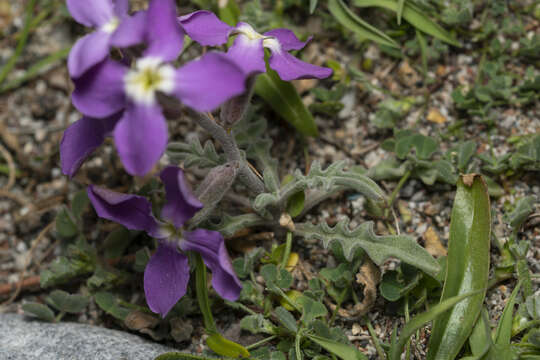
(235, 109)
(214, 186)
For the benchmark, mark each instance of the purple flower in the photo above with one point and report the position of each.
(248, 47)
(114, 27)
(167, 273)
(110, 88)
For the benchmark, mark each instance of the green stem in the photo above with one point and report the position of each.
(21, 43)
(287, 252)
(202, 294)
(261, 342)
(407, 318)
(400, 184)
(378, 347)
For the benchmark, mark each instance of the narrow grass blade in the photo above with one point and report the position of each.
(414, 16)
(401, 3)
(343, 351)
(284, 100)
(504, 329)
(420, 320)
(347, 18)
(467, 267)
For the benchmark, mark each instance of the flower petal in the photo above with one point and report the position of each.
(140, 138)
(211, 246)
(248, 54)
(205, 28)
(81, 139)
(287, 39)
(91, 13)
(290, 68)
(181, 204)
(165, 36)
(132, 211)
(100, 91)
(131, 31)
(121, 7)
(88, 51)
(165, 279)
(206, 83)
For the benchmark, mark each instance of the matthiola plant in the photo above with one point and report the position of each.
(120, 93)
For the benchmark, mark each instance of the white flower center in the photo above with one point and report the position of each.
(269, 42)
(111, 26)
(148, 76)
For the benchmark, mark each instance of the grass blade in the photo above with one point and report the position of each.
(347, 18)
(504, 329)
(467, 267)
(284, 100)
(400, 5)
(414, 16)
(420, 320)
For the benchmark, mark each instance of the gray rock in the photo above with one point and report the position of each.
(28, 339)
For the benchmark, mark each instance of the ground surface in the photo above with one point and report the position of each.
(34, 114)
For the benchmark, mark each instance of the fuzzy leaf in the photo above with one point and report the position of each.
(345, 352)
(378, 248)
(229, 225)
(111, 305)
(523, 208)
(333, 178)
(286, 319)
(193, 154)
(311, 309)
(425, 146)
(256, 324)
(38, 310)
(66, 226)
(70, 303)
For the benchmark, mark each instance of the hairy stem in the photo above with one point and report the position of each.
(232, 152)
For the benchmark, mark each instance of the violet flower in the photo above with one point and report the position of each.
(128, 95)
(248, 47)
(167, 273)
(114, 27)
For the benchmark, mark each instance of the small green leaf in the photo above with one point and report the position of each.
(111, 305)
(390, 287)
(465, 152)
(311, 309)
(65, 224)
(79, 203)
(286, 319)
(348, 19)
(413, 15)
(284, 100)
(345, 352)
(38, 310)
(480, 339)
(256, 324)
(229, 12)
(117, 242)
(70, 303)
(425, 146)
(523, 208)
(225, 347)
(295, 204)
(467, 267)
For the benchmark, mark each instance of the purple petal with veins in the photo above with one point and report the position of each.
(290, 68)
(91, 13)
(165, 36)
(88, 51)
(181, 204)
(140, 138)
(211, 246)
(206, 83)
(165, 278)
(81, 139)
(205, 28)
(132, 211)
(287, 39)
(100, 91)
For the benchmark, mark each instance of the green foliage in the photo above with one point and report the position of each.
(70, 303)
(111, 304)
(285, 101)
(41, 311)
(378, 248)
(467, 267)
(194, 154)
(390, 111)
